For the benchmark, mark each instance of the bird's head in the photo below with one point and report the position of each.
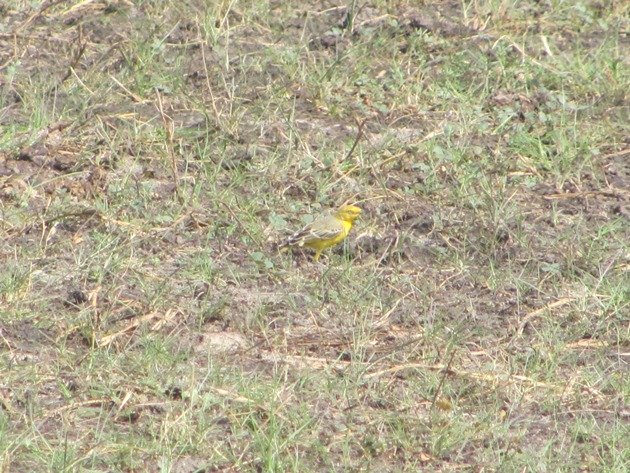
(348, 213)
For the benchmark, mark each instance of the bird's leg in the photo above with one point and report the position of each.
(316, 257)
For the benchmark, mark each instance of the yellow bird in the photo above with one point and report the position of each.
(326, 231)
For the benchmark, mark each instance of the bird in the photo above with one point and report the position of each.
(325, 231)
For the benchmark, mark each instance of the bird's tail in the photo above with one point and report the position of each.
(281, 246)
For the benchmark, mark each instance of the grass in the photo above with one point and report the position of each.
(151, 156)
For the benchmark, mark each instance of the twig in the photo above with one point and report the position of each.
(537, 312)
(133, 96)
(43, 134)
(238, 220)
(304, 361)
(356, 140)
(76, 405)
(392, 242)
(524, 55)
(37, 14)
(612, 192)
(622, 152)
(108, 339)
(445, 372)
(75, 61)
(324, 363)
(397, 347)
(465, 374)
(217, 114)
(545, 43)
(169, 129)
(233, 396)
(383, 319)
(49, 222)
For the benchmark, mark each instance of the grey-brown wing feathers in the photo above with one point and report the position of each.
(318, 230)
(308, 235)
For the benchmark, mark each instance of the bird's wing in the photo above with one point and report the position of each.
(323, 229)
